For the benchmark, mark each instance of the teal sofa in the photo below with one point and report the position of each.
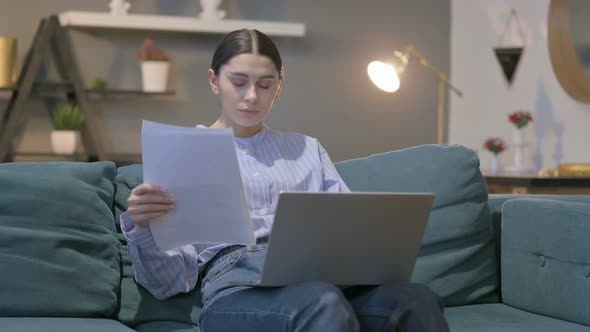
(499, 263)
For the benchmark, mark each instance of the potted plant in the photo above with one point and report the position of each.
(154, 67)
(98, 84)
(520, 120)
(495, 145)
(67, 121)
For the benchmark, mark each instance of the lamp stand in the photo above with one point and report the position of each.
(443, 83)
(440, 117)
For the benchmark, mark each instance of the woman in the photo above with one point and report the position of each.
(247, 75)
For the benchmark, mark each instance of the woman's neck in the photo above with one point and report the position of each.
(239, 131)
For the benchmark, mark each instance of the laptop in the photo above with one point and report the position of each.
(359, 238)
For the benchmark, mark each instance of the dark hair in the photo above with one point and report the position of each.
(246, 41)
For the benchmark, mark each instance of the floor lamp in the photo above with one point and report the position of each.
(386, 77)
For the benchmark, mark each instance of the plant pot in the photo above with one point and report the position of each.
(64, 141)
(154, 75)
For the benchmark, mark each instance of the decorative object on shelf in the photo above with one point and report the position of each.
(67, 121)
(210, 10)
(568, 170)
(119, 7)
(385, 75)
(495, 145)
(7, 61)
(548, 172)
(98, 84)
(520, 120)
(574, 170)
(154, 67)
(509, 57)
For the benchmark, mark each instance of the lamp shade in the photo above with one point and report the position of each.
(383, 75)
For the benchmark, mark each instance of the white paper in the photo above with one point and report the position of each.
(200, 169)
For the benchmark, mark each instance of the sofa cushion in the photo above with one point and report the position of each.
(502, 318)
(58, 248)
(163, 326)
(546, 257)
(457, 258)
(43, 324)
(137, 305)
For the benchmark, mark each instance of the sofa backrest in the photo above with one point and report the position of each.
(457, 258)
(59, 253)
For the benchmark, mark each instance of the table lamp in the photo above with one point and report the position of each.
(385, 75)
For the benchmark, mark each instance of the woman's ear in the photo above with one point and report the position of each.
(213, 81)
(281, 81)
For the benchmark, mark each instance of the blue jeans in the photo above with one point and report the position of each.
(309, 306)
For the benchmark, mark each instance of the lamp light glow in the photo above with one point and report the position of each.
(386, 77)
(383, 75)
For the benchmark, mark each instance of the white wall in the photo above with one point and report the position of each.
(561, 128)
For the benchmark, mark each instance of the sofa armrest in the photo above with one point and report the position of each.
(495, 201)
(546, 257)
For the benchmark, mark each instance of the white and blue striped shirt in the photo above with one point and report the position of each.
(270, 162)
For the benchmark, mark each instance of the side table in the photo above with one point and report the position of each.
(531, 183)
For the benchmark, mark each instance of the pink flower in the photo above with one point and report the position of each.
(520, 118)
(149, 52)
(494, 145)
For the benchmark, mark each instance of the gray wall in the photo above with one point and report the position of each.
(327, 93)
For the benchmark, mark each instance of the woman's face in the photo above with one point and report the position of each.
(247, 86)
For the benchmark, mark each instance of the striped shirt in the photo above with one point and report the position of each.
(270, 162)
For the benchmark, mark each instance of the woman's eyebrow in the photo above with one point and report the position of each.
(246, 76)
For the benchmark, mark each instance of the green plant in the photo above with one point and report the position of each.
(98, 83)
(68, 116)
(149, 52)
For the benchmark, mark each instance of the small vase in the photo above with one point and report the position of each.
(519, 146)
(518, 136)
(494, 165)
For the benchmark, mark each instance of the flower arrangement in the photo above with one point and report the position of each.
(149, 52)
(520, 119)
(495, 145)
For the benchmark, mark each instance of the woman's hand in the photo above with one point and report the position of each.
(148, 201)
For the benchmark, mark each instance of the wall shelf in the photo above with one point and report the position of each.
(58, 89)
(49, 89)
(176, 23)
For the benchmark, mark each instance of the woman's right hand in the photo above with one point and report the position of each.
(148, 201)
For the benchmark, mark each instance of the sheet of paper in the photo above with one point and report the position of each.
(199, 167)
